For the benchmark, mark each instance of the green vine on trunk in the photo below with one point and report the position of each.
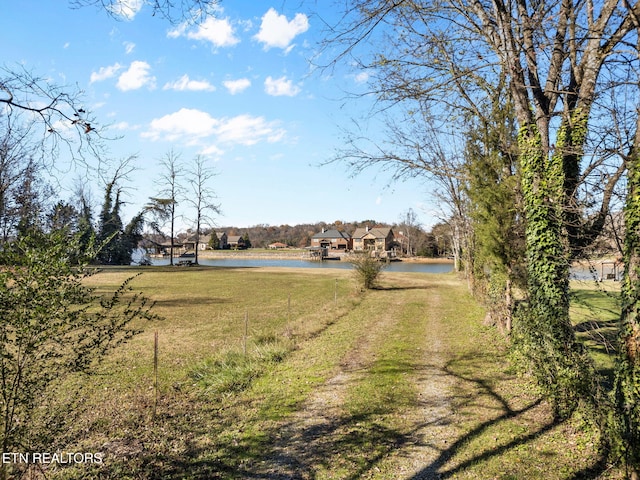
(543, 333)
(626, 392)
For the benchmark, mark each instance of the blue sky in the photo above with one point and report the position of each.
(238, 89)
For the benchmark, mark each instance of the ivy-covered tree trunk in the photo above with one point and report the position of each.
(627, 379)
(544, 331)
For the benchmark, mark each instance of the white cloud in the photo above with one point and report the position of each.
(212, 151)
(277, 31)
(217, 31)
(126, 9)
(129, 47)
(248, 130)
(122, 126)
(237, 86)
(279, 87)
(105, 72)
(137, 76)
(362, 77)
(247, 25)
(184, 83)
(194, 127)
(186, 123)
(178, 31)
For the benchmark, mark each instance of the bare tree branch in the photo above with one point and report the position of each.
(173, 11)
(57, 110)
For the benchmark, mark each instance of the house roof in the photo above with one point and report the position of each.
(234, 238)
(332, 234)
(377, 232)
(147, 242)
(202, 239)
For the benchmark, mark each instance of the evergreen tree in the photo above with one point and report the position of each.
(130, 238)
(63, 217)
(247, 241)
(117, 243)
(214, 241)
(86, 230)
(29, 201)
(110, 226)
(496, 206)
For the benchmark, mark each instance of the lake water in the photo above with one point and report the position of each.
(259, 262)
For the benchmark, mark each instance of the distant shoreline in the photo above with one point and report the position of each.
(291, 254)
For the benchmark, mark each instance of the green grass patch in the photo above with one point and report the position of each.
(234, 371)
(385, 386)
(595, 313)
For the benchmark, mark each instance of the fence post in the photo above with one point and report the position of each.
(155, 372)
(246, 330)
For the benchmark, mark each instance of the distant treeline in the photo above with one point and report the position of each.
(415, 240)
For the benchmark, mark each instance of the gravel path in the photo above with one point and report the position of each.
(432, 418)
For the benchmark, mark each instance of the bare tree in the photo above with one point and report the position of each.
(436, 64)
(163, 207)
(15, 156)
(409, 224)
(201, 197)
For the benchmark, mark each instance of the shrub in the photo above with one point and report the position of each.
(53, 326)
(367, 268)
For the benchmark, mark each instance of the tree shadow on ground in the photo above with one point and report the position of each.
(391, 288)
(200, 439)
(445, 465)
(173, 448)
(191, 300)
(343, 445)
(179, 444)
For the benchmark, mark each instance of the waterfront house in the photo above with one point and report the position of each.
(222, 240)
(331, 240)
(235, 242)
(378, 239)
(203, 243)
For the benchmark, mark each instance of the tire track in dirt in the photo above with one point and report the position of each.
(431, 419)
(306, 439)
(309, 438)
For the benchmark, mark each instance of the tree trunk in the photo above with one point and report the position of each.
(508, 300)
(627, 379)
(547, 337)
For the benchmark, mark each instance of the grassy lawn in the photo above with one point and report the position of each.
(595, 313)
(294, 373)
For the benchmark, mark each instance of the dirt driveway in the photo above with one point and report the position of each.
(406, 322)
